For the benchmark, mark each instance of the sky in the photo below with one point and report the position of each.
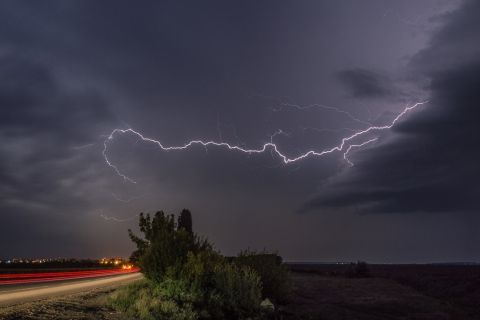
(301, 75)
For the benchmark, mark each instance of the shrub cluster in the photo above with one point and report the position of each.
(185, 277)
(273, 273)
(165, 245)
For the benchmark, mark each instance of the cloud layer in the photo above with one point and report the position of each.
(431, 163)
(71, 72)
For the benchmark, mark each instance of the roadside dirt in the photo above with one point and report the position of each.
(89, 305)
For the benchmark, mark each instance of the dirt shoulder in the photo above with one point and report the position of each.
(90, 305)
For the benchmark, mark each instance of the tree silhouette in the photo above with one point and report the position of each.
(185, 221)
(142, 244)
(165, 244)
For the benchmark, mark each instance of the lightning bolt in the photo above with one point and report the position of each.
(83, 146)
(321, 106)
(273, 147)
(282, 104)
(278, 133)
(127, 200)
(107, 218)
(320, 130)
(345, 154)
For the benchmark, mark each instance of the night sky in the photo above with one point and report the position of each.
(303, 74)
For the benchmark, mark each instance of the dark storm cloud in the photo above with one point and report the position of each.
(362, 83)
(454, 45)
(33, 103)
(178, 70)
(41, 125)
(431, 165)
(47, 121)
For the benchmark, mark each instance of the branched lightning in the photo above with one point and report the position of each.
(321, 106)
(344, 144)
(114, 167)
(345, 154)
(327, 129)
(107, 218)
(127, 200)
(279, 132)
(83, 146)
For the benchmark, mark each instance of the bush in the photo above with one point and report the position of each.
(222, 290)
(186, 278)
(358, 270)
(163, 245)
(205, 287)
(273, 273)
(143, 300)
(237, 291)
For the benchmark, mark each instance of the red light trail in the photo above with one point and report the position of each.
(38, 277)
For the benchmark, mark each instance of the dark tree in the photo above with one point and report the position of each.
(163, 244)
(142, 244)
(185, 221)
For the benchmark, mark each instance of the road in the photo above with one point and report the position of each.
(19, 293)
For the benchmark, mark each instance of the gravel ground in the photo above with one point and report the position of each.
(88, 305)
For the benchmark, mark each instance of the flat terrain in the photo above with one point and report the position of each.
(391, 292)
(416, 292)
(334, 298)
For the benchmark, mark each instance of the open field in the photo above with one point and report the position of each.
(392, 292)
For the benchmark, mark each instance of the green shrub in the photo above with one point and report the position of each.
(163, 245)
(143, 300)
(237, 291)
(221, 289)
(273, 273)
(205, 287)
(187, 279)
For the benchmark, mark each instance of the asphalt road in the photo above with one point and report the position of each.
(16, 294)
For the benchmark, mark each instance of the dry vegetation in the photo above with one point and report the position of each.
(391, 292)
(325, 297)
